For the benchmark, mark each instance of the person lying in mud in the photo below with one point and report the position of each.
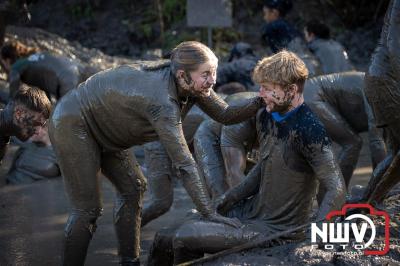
(92, 126)
(339, 102)
(23, 116)
(34, 160)
(159, 173)
(239, 67)
(382, 89)
(56, 75)
(277, 194)
(329, 52)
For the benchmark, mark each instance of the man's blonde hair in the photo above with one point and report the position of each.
(283, 68)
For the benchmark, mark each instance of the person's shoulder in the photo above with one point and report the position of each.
(310, 128)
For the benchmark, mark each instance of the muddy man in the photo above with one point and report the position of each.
(92, 127)
(23, 115)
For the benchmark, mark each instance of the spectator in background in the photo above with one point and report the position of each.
(330, 53)
(277, 32)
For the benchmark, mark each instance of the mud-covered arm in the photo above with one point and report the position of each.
(167, 124)
(377, 145)
(248, 187)
(317, 149)
(226, 114)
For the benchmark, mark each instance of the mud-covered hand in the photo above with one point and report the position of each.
(218, 218)
(223, 204)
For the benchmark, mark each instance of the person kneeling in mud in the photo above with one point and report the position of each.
(34, 160)
(277, 194)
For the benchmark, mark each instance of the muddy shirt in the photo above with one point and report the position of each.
(33, 162)
(331, 54)
(239, 70)
(54, 74)
(294, 155)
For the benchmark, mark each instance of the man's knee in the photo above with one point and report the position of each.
(131, 202)
(83, 219)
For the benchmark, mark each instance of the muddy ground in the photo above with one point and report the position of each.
(32, 219)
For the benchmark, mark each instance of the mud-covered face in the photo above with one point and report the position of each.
(27, 122)
(41, 135)
(199, 82)
(276, 98)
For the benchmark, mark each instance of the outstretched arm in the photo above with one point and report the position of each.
(248, 187)
(226, 114)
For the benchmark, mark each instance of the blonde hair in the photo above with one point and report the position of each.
(283, 68)
(188, 56)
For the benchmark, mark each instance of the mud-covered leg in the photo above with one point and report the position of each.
(159, 177)
(389, 179)
(235, 165)
(124, 172)
(209, 159)
(79, 160)
(340, 132)
(194, 239)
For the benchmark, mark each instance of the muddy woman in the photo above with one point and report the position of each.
(92, 127)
